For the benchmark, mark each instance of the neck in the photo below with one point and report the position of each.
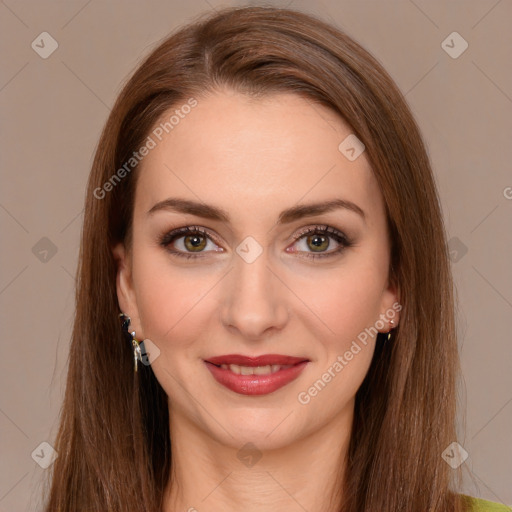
(209, 475)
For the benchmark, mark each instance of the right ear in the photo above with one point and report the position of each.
(124, 284)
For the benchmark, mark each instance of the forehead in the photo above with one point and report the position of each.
(239, 152)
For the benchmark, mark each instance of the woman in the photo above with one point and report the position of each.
(261, 214)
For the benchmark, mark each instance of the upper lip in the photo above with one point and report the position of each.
(263, 360)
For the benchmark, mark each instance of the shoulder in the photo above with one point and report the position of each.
(479, 505)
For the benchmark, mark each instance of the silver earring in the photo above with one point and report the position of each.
(137, 354)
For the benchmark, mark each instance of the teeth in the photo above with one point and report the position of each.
(261, 370)
(254, 370)
(235, 369)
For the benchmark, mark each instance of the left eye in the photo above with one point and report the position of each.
(315, 242)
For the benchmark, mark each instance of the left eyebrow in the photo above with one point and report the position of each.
(285, 217)
(309, 210)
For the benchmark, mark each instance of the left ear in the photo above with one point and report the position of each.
(390, 306)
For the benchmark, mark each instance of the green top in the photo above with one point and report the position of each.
(488, 506)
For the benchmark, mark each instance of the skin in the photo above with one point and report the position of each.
(254, 158)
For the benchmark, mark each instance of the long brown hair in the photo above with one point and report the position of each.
(113, 442)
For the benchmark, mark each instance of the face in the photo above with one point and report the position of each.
(309, 283)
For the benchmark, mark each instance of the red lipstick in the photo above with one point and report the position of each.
(273, 371)
(263, 360)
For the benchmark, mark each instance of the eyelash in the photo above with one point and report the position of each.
(338, 236)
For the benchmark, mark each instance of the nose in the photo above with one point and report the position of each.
(254, 300)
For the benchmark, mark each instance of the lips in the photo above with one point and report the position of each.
(264, 360)
(255, 375)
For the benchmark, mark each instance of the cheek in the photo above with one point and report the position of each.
(171, 300)
(343, 302)
(345, 307)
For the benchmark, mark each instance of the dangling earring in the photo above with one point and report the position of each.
(137, 354)
(389, 332)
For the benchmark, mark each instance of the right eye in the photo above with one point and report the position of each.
(192, 241)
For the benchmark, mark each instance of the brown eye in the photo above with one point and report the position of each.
(188, 242)
(194, 243)
(319, 243)
(318, 240)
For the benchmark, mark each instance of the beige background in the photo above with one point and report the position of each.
(53, 110)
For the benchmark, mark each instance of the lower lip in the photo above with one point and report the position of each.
(255, 384)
